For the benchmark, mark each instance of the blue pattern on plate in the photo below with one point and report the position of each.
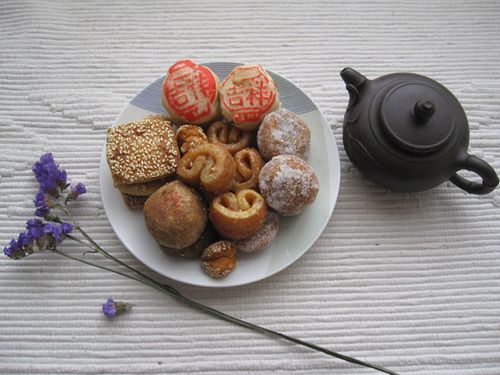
(291, 97)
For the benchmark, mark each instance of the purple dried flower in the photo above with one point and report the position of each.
(66, 228)
(49, 175)
(35, 229)
(76, 190)
(54, 231)
(15, 249)
(111, 308)
(24, 240)
(41, 204)
(44, 235)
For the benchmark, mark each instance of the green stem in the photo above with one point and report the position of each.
(111, 257)
(166, 289)
(98, 266)
(272, 333)
(96, 246)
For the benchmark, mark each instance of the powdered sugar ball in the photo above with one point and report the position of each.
(283, 133)
(263, 238)
(288, 184)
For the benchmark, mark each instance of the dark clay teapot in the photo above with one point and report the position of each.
(407, 132)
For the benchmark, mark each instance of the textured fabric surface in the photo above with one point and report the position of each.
(409, 281)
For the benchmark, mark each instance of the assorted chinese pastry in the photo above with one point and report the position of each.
(238, 216)
(191, 93)
(209, 166)
(230, 137)
(283, 133)
(190, 136)
(247, 94)
(211, 188)
(142, 156)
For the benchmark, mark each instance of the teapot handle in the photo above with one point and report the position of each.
(483, 169)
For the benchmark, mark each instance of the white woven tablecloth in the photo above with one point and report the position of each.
(409, 281)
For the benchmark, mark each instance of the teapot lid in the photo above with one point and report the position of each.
(417, 117)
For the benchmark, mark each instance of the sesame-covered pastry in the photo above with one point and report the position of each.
(142, 155)
(247, 94)
(191, 93)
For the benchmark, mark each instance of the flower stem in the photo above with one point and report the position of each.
(172, 292)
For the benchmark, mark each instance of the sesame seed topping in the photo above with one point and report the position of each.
(142, 151)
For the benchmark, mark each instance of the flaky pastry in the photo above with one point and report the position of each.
(210, 166)
(190, 136)
(232, 138)
(239, 215)
(248, 166)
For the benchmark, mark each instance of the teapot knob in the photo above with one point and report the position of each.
(424, 109)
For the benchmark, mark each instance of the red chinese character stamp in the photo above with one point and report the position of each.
(247, 94)
(190, 92)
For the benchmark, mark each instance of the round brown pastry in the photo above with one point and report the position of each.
(288, 184)
(208, 237)
(283, 133)
(262, 238)
(190, 136)
(247, 94)
(239, 215)
(230, 137)
(219, 259)
(191, 93)
(210, 166)
(175, 215)
(248, 166)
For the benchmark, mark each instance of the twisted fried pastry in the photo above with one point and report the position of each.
(248, 166)
(238, 216)
(232, 138)
(190, 136)
(210, 166)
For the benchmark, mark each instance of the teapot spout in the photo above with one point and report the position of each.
(353, 81)
(352, 77)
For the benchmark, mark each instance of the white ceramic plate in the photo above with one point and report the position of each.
(296, 234)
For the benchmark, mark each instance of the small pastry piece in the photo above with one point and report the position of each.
(190, 136)
(208, 237)
(191, 93)
(262, 238)
(142, 151)
(142, 190)
(248, 166)
(288, 184)
(230, 137)
(283, 133)
(247, 94)
(175, 215)
(210, 166)
(134, 201)
(219, 259)
(238, 216)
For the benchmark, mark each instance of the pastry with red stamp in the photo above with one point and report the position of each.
(247, 94)
(191, 93)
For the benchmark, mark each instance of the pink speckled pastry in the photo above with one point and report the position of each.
(288, 184)
(283, 133)
(263, 238)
